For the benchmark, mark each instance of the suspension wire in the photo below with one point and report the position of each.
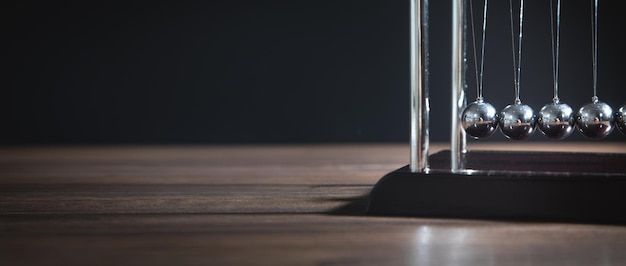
(519, 51)
(471, 8)
(482, 52)
(555, 50)
(513, 45)
(594, 46)
(517, 63)
(479, 76)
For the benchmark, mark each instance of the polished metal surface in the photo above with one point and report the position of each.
(595, 120)
(419, 86)
(620, 118)
(479, 119)
(556, 120)
(517, 121)
(458, 100)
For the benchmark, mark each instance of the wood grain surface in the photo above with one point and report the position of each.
(257, 205)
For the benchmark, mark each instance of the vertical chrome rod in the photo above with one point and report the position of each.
(457, 135)
(419, 86)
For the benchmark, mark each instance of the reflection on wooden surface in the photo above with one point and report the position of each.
(256, 205)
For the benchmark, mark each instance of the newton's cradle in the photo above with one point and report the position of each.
(536, 186)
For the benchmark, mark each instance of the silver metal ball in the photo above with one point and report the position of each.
(620, 118)
(595, 120)
(517, 121)
(479, 119)
(556, 120)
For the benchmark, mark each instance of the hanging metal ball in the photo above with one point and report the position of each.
(517, 121)
(595, 119)
(556, 120)
(620, 118)
(479, 119)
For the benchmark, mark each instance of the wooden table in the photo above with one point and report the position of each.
(256, 205)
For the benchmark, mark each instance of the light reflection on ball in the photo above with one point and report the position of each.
(620, 119)
(517, 121)
(479, 119)
(595, 120)
(556, 120)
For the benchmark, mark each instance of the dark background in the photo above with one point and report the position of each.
(269, 71)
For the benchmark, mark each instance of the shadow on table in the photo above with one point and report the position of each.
(353, 206)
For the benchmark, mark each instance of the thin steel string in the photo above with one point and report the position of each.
(471, 9)
(479, 73)
(482, 52)
(519, 51)
(517, 63)
(555, 42)
(513, 44)
(594, 44)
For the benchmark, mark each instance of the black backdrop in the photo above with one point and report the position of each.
(267, 71)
